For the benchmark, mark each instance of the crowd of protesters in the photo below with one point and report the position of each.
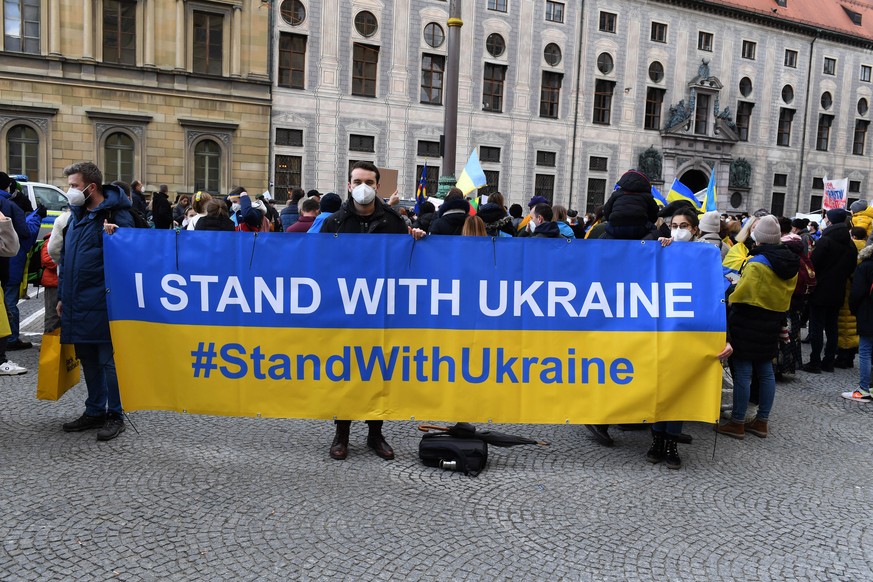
(781, 275)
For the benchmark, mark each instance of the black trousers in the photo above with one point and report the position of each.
(823, 322)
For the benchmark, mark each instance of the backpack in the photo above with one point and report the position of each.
(139, 220)
(34, 264)
(806, 280)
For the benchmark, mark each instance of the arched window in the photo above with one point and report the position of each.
(118, 151)
(22, 145)
(207, 166)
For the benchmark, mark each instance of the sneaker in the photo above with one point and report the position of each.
(18, 345)
(858, 395)
(10, 368)
(113, 427)
(85, 422)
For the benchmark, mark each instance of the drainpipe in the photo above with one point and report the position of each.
(270, 159)
(805, 121)
(576, 109)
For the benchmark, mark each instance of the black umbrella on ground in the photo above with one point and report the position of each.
(465, 430)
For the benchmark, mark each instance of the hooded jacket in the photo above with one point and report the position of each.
(632, 204)
(760, 300)
(384, 220)
(496, 220)
(450, 217)
(547, 230)
(222, 223)
(834, 258)
(81, 281)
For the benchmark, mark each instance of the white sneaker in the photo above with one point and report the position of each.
(10, 368)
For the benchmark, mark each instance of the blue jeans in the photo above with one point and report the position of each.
(98, 367)
(10, 298)
(865, 350)
(743, 370)
(671, 428)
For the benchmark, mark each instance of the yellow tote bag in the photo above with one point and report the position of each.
(4, 321)
(59, 369)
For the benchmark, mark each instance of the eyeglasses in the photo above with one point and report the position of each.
(683, 226)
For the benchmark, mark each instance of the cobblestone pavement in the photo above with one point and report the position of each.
(198, 497)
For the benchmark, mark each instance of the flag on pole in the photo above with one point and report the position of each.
(679, 191)
(659, 198)
(474, 206)
(709, 200)
(472, 177)
(421, 191)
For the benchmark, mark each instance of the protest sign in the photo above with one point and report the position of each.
(835, 193)
(383, 327)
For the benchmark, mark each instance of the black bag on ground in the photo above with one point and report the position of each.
(445, 451)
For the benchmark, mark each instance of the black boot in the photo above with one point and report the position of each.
(339, 449)
(671, 454)
(656, 451)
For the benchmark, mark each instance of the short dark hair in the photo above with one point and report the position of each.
(369, 166)
(688, 213)
(237, 191)
(516, 211)
(216, 207)
(90, 172)
(297, 194)
(785, 225)
(545, 211)
(859, 233)
(309, 205)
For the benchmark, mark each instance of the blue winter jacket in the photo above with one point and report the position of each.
(19, 261)
(81, 281)
(19, 223)
(289, 216)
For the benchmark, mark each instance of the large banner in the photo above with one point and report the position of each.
(446, 328)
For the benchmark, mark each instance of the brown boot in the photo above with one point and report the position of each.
(339, 449)
(735, 430)
(757, 427)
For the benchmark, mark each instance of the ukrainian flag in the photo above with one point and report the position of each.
(679, 191)
(472, 177)
(711, 192)
(659, 198)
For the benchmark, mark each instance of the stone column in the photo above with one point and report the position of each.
(149, 32)
(88, 32)
(180, 35)
(54, 15)
(235, 44)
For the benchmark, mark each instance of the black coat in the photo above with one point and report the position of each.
(383, 220)
(834, 259)
(860, 298)
(162, 212)
(451, 217)
(496, 220)
(215, 223)
(547, 230)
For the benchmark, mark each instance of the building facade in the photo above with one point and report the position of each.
(561, 98)
(172, 92)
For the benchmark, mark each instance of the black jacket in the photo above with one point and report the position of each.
(496, 219)
(383, 220)
(450, 217)
(834, 259)
(162, 213)
(215, 223)
(860, 297)
(547, 230)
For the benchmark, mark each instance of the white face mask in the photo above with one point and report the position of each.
(532, 225)
(235, 207)
(753, 237)
(363, 194)
(680, 234)
(76, 197)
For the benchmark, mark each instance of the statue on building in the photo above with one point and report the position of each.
(740, 173)
(650, 164)
(678, 113)
(703, 69)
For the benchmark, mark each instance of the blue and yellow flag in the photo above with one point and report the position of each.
(711, 192)
(679, 191)
(472, 177)
(421, 191)
(659, 198)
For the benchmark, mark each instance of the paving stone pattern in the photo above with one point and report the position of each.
(211, 498)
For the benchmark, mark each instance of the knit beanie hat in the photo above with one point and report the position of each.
(858, 206)
(767, 231)
(330, 203)
(837, 216)
(710, 222)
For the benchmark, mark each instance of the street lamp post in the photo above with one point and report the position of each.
(450, 119)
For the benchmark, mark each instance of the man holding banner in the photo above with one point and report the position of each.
(363, 212)
(82, 294)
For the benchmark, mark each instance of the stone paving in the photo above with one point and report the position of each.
(210, 498)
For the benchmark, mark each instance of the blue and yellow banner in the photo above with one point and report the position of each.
(383, 327)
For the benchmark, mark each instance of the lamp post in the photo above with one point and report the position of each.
(450, 119)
